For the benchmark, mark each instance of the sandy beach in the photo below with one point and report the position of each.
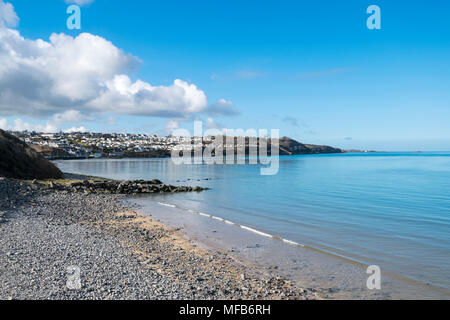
(120, 254)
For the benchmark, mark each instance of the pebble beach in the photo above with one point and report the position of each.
(119, 253)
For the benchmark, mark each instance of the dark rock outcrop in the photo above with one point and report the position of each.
(122, 187)
(19, 161)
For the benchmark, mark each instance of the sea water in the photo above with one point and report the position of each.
(386, 209)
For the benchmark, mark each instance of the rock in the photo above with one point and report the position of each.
(125, 187)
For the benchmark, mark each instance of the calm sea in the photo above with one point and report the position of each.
(385, 209)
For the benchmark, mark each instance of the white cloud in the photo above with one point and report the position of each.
(87, 75)
(20, 125)
(211, 124)
(49, 127)
(74, 129)
(40, 78)
(72, 116)
(172, 125)
(222, 107)
(79, 2)
(8, 16)
(121, 96)
(4, 124)
(55, 124)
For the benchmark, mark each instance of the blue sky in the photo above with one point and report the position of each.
(311, 68)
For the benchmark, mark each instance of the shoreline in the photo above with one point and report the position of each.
(169, 156)
(120, 217)
(121, 253)
(331, 276)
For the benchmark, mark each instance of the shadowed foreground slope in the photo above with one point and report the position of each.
(19, 161)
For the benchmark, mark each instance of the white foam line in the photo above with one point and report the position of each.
(257, 232)
(292, 243)
(204, 214)
(167, 205)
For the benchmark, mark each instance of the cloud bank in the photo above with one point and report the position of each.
(87, 75)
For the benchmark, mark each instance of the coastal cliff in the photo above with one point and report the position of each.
(19, 161)
(290, 146)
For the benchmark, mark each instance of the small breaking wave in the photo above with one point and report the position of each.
(249, 229)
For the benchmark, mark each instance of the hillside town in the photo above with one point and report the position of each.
(97, 145)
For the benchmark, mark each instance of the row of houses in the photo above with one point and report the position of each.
(97, 145)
